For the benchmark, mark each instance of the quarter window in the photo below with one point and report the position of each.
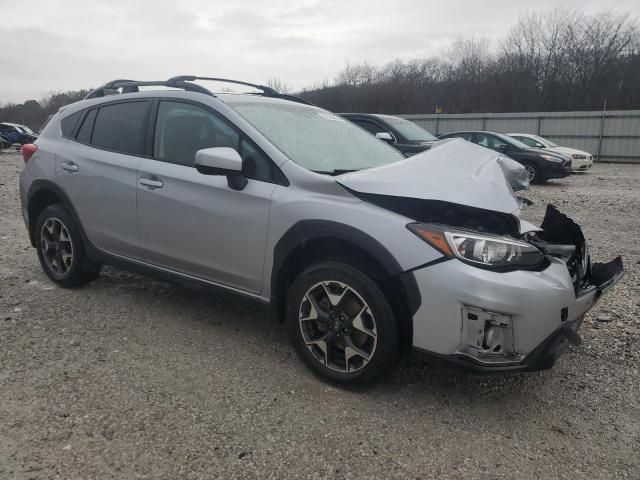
(67, 124)
(84, 134)
(120, 127)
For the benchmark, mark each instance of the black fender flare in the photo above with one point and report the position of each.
(41, 185)
(306, 230)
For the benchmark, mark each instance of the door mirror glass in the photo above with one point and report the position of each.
(386, 136)
(218, 161)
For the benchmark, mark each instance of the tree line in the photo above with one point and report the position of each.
(33, 113)
(556, 60)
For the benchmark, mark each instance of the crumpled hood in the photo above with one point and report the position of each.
(454, 171)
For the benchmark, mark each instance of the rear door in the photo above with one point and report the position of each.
(195, 223)
(97, 168)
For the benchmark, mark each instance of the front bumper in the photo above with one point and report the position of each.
(556, 170)
(580, 165)
(534, 315)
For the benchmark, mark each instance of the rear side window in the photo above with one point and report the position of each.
(121, 127)
(466, 136)
(84, 134)
(67, 124)
(369, 126)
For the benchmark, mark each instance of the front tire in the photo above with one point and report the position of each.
(534, 173)
(60, 249)
(341, 325)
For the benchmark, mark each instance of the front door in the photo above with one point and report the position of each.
(195, 223)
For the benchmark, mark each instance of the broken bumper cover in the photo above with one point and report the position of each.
(539, 314)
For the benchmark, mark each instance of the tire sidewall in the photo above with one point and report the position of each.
(386, 353)
(537, 178)
(72, 277)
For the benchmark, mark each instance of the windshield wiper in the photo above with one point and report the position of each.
(337, 171)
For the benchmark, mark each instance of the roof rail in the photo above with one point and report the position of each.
(184, 82)
(131, 86)
(267, 91)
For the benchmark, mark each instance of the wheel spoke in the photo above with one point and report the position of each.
(50, 227)
(357, 323)
(314, 308)
(46, 246)
(64, 235)
(325, 343)
(334, 298)
(66, 259)
(351, 350)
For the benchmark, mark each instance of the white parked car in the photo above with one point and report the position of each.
(580, 160)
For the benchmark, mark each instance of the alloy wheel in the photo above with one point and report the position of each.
(56, 246)
(338, 326)
(531, 172)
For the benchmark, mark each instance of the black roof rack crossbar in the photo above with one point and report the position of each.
(131, 86)
(184, 82)
(268, 91)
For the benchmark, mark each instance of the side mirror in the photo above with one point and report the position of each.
(222, 161)
(386, 136)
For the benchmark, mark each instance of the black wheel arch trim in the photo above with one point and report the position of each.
(306, 230)
(46, 185)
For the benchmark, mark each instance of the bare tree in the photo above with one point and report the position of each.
(278, 85)
(559, 59)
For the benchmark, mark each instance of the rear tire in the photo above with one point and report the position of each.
(60, 249)
(341, 324)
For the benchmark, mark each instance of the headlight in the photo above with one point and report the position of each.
(579, 156)
(549, 158)
(485, 251)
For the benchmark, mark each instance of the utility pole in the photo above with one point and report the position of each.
(604, 110)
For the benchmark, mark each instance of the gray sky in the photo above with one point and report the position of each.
(57, 45)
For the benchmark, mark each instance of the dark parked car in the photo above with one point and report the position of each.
(402, 134)
(4, 143)
(15, 133)
(540, 164)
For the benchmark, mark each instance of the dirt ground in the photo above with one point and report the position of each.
(129, 378)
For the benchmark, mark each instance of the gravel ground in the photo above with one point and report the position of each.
(129, 377)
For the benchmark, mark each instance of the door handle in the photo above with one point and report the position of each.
(150, 182)
(69, 166)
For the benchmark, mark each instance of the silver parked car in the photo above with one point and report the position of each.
(365, 254)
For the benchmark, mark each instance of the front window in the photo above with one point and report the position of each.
(528, 141)
(316, 139)
(545, 142)
(410, 130)
(500, 138)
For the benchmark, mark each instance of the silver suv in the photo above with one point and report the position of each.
(364, 254)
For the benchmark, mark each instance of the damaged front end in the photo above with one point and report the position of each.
(562, 238)
(505, 295)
